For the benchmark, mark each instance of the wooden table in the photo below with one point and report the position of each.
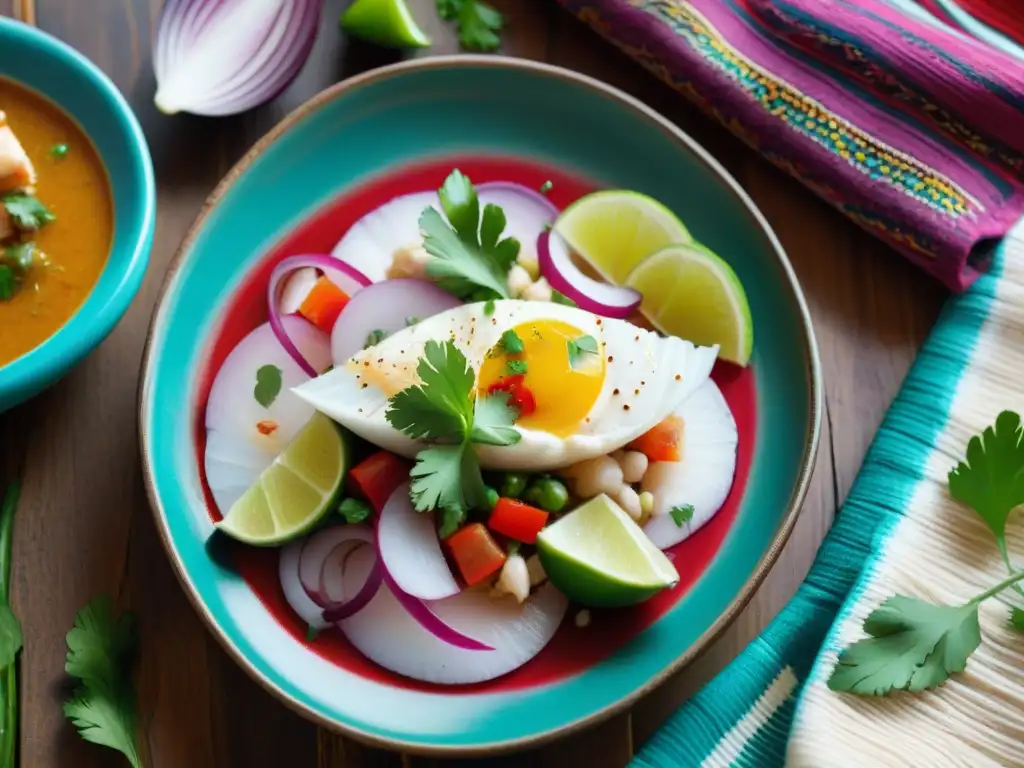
(85, 526)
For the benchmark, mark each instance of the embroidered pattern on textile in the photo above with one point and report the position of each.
(803, 114)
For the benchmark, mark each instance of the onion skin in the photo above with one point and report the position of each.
(222, 57)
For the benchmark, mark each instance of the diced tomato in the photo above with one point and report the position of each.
(475, 552)
(662, 442)
(375, 478)
(323, 304)
(519, 521)
(519, 394)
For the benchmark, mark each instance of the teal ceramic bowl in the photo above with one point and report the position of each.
(44, 64)
(400, 129)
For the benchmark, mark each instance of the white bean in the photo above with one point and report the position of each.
(633, 464)
(538, 291)
(409, 261)
(596, 476)
(646, 502)
(536, 571)
(527, 259)
(514, 578)
(519, 280)
(629, 501)
(583, 618)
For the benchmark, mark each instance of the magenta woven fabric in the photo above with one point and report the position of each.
(913, 130)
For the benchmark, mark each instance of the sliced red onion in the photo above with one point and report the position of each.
(386, 306)
(294, 591)
(410, 550)
(221, 57)
(349, 279)
(323, 561)
(296, 288)
(527, 211)
(615, 301)
(430, 621)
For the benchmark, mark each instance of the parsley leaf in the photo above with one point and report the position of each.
(681, 514)
(20, 256)
(470, 261)
(8, 284)
(103, 707)
(516, 367)
(10, 636)
(27, 212)
(478, 23)
(492, 423)
(913, 646)
(375, 337)
(441, 406)
(584, 345)
(546, 187)
(268, 385)
(511, 342)
(354, 510)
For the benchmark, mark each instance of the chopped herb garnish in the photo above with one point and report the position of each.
(514, 547)
(471, 261)
(546, 187)
(375, 337)
(478, 23)
(511, 342)
(411, 320)
(20, 256)
(443, 408)
(311, 633)
(516, 367)
(59, 151)
(681, 514)
(584, 345)
(452, 519)
(27, 212)
(268, 385)
(560, 298)
(354, 510)
(8, 285)
(912, 644)
(489, 307)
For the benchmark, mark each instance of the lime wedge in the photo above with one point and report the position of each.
(384, 22)
(615, 230)
(692, 293)
(597, 556)
(296, 491)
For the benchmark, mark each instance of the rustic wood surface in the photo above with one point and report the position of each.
(85, 527)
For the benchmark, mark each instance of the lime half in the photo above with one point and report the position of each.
(615, 230)
(292, 494)
(690, 292)
(597, 556)
(384, 22)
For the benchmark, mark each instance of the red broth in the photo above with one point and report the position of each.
(572, 650)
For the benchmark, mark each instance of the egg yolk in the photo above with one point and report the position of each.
(563, 393)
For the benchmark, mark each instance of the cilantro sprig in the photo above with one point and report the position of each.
(27, 211)
(471, 259)
(478, 23)
(444, 410)
(912, 644)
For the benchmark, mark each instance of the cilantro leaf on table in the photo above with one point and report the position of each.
(27, 212)
(268, 385)
(441, 406)
(1017, 618)
(100, 648)
(478, 23)
(10, 636)
(470, 261)
(493, 420)
(913, 646)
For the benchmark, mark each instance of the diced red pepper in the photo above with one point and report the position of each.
(662, 442)
(519, 521)
(519, 394)
(475, 553)
(323, 304)
(376, 477)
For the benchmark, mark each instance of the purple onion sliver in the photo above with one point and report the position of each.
(429, 620)
(614, 301)
(341, 611)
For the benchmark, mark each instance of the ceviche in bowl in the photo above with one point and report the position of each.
(470, 430)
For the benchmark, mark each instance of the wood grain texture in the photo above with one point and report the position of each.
(85, 525)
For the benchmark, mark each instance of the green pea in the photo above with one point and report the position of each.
(548, 494)
(513, 485)
(492, 498)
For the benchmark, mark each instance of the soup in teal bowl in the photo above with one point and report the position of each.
(77, 207)
(417, 493)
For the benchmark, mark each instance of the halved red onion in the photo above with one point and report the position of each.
(556, 265)
(349, 279)
(220, 57)
(386, 306)
(410, 551)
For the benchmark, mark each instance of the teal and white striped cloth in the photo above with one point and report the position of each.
(898, 532)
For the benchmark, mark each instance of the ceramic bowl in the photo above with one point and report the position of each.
(296, 191)
(44, 64)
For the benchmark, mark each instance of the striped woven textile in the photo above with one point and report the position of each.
(906, 115)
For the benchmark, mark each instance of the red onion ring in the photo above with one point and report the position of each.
(344, 276)
(332, 547)
(556, 265)
(429, 620)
